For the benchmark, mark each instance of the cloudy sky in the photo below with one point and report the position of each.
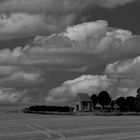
(52, 49)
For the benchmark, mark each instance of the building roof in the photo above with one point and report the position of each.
(82, 97)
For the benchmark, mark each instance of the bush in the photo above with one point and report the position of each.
(48, 109)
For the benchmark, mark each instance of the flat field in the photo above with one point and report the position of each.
(20, 126)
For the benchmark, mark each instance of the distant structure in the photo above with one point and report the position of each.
(83, 103)
(138, 100)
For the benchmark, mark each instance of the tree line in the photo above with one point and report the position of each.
(129, 103)
(44, 108)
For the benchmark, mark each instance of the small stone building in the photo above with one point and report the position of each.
(83, 103)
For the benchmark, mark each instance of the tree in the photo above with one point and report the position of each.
(138, 100)
(121, 102)
(112, 105)
(131, 103)
(104, 98)
(138, 91)
(94, 99)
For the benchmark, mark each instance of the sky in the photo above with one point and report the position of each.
(50, 50)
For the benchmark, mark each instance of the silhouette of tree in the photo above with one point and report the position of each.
(112, 105)
(131, 103)
(138, 91)
(44, 108)
(138, 100)
(121, 102)
(94, 99)
(104, 98)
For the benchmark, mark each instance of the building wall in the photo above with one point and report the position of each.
(138, 102)
(80, 106)
(83, 108)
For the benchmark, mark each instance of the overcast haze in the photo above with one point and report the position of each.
(52, 49)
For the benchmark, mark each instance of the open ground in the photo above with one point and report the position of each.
(20, 126)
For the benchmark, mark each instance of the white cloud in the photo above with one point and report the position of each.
(85, 30)
(130, 67)
(18, 25)
(34, 6)
(124, 35)
(127, 72)
(24, 76)
(81, 46)
(44, 17)
(11, 57)
(7, 70)
(16, 76)
(61, 6)
(10, 95)
(21, 79)
(64, 94)
(67, 91)
(74, 51)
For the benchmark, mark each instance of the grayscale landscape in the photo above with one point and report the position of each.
(69, 69)
(19, 126)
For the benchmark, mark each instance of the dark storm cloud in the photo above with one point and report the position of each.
(29, 71)
(21, 25)
(126, 17)
(60, 6)
(77, 48)
(22, 18)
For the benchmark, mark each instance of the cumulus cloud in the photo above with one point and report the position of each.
(7, 70)
(90, 37)
(15, 83)
(60, 6)
(18, 25)
(67, 91)
(121, 79)
(11, 95)
(37, 6)
(82, 48)
(121, 34)
(90, 84)
(22, 76)
(13, 76)
(126, 71)
(20, 18)
(83, 31)
(129, 67)
(79, 47)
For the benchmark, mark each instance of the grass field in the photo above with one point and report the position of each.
(19, 126)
